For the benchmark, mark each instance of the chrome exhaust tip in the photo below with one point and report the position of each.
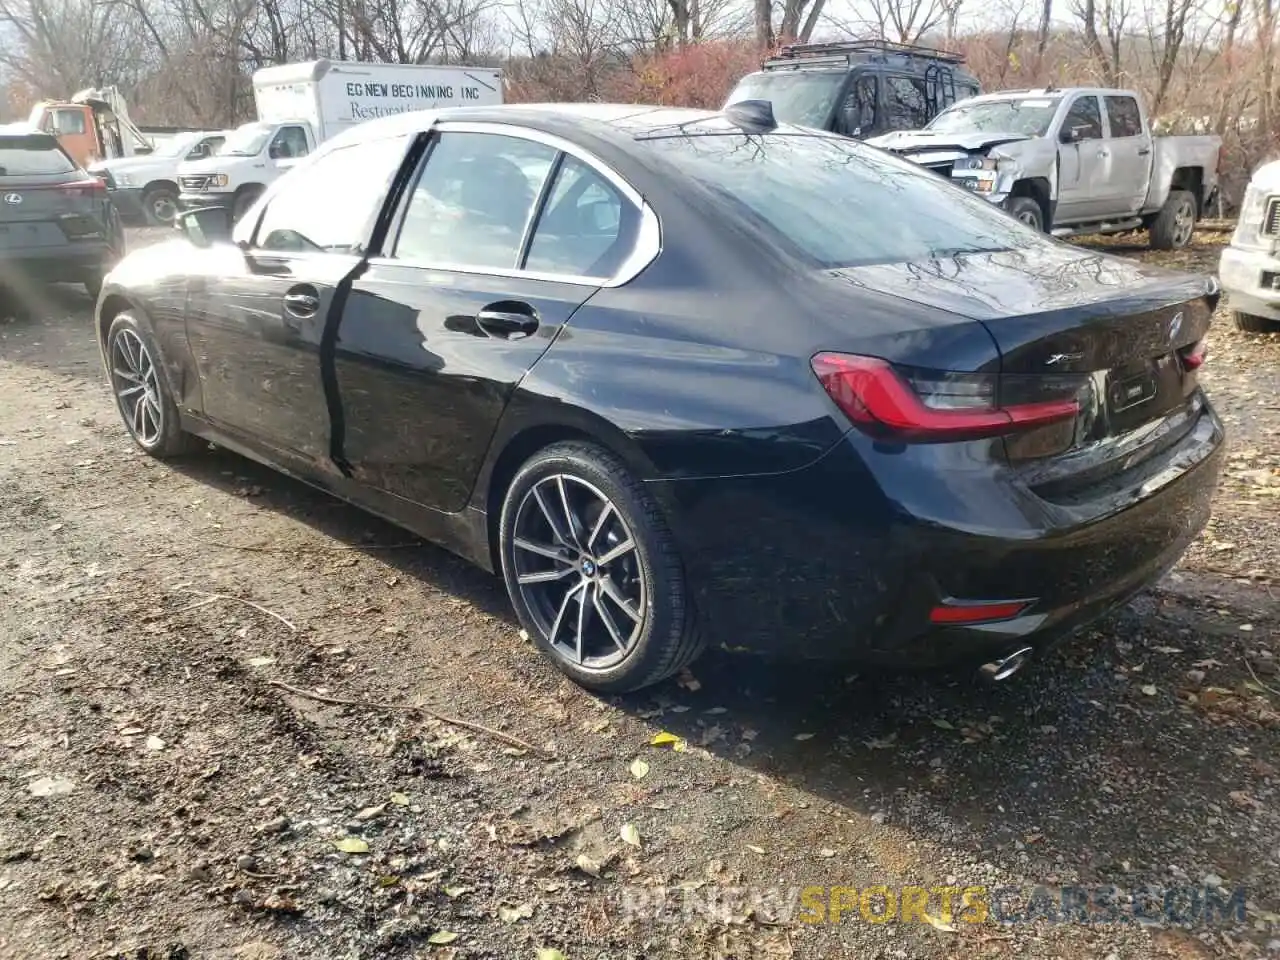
(1005, 667)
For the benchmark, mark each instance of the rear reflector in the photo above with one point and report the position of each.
(932, 406)
(958, 612)
(1194, 356)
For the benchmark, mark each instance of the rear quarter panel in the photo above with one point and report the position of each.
(1170, 154)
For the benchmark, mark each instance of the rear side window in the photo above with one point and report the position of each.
(586, 229)
(1125, 117)
(838, 202)
(907, 103)
(32, 157)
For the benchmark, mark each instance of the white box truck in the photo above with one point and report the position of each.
(302, 104)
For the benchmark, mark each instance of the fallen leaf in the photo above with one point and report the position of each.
(826, 852)
(154, 743)
(663, 738)
(441, 937)
(880, 743)
(455, 892)
(400, 799)
(351, 845)
(936, 923)
(944, 724)
(629, 834)
(368, 813)
(803, 736)
(50, 787)
(261, 661)
(754, 849)
(639, 769)
(1149, 689)
(514, 914)
(1169, 650)
(550, 953)
(588, 866)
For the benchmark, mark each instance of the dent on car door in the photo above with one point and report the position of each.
(257, 320)
(502, 237)
(1081, 190)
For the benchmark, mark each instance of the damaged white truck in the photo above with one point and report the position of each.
(1070, 162)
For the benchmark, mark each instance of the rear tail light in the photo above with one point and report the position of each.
(970, 612)
(1194, 356)
(81, 187)
(932, 406)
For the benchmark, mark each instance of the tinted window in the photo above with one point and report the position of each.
(1085, 117)
(587, 227)
(804, 99)
(32, 157)
(1125, 117)
(839, 202)
(908, 106)
(473, 200)
(861, 105)
(329, 204)
(289, 143)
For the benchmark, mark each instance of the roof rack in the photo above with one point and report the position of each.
(844, 51)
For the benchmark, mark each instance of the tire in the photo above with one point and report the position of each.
(1175, 224)
(1026, 210)
(93, 285)
(160, 205)
(243, 201)
(158, 429)
(618, 653)
(1251, 323)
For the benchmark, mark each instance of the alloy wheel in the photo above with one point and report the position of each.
(164, 208)
(1030, 219)
(1184, 221)
(137, 387)
(578, 570)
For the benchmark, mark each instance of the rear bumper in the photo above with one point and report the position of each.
(832, 562)
(73, 262)
(1241, 273)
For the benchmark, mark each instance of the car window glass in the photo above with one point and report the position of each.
(1085, 117)
(908, 106)
(289, 143)
(32, 157)
(327, 205)
(860, 106)
(838, 202)
(1125, 117)
(473, 200)
(581, 231)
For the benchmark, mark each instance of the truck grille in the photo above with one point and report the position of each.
(1271, 219)
(197, 184)
(941, 169)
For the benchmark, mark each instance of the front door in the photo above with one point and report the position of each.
(503, 238)
(257, 320)
(1082, 163)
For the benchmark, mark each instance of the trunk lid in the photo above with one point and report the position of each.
(1120, 334)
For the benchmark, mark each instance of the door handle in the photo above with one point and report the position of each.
(507, 319)
(1144, 152)
(1103, 154)
(302, 301)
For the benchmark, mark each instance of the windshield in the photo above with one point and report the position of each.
(802, 99)
(841, 203)
(1030, 116)
(174, 147)
(32, 156)
(247, 140)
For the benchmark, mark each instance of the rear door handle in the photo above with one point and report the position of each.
(302, 301)
(507, 319)
(1144, 152)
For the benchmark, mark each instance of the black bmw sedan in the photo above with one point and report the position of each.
(685, 377)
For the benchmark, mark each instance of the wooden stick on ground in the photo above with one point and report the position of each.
(213, 597)
(506, 738)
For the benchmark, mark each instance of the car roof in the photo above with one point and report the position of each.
(618, 122)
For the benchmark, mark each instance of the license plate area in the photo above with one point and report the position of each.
(1128, 390)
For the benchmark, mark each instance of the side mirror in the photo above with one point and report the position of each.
(1072, 134)
(198, 152)
(205, 226)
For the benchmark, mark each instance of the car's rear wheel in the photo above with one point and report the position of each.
(142, 392)
(1251, 323)
(1175, 224)
(593, 570)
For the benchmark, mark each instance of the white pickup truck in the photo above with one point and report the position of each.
(1071, 162)
(145, 186)
(301, 105)
(1250, 266)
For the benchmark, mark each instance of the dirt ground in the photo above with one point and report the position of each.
(165, 794)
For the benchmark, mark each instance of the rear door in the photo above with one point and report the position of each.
(502, 237)
(256, 319)
(1130, 145)
(47, 204)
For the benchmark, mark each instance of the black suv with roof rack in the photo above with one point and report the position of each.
(860, 88)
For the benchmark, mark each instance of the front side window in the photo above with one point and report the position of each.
(1125, 117)
(327, 206)
(907, 103)
(837, 202)
(473, 200)
(1084, 119)
(861, 105)
(289, 143)
(586, 229)
(68, 122)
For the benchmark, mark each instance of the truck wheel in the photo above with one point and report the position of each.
(160, 204)
(1175, 223)
(243, 201)
(1026, 210)
(1251, 323)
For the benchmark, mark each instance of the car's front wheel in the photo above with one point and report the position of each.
(142, 392)
(593, 570)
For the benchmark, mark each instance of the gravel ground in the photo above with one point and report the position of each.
(173, 783)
